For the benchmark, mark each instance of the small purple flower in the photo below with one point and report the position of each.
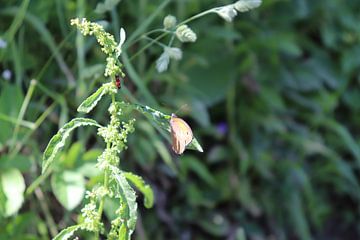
(3, 43)
(222, 128)
(6, 74)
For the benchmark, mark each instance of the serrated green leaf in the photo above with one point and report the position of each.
(57, 142)
(13, 187)
(161, 120)
(128, 199)
(89, 103)
(144, 188)
(67, 232)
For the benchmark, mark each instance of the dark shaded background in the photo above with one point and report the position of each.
(273, 97)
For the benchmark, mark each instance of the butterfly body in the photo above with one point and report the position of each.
(181, 134)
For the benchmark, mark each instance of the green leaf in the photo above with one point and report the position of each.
(11, 99)
(161, 120)
(298, 216)
(216, 229)
(346, 137)
(20, 162)
(124, 233)
(155, 143)
(69, 188)
(73, 154)
(194, 164)
(144, 188)
(128, 199)
(89, 103)
(13, 187)
(57, 142)
(67, 232)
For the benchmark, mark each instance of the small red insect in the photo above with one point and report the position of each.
(118, 81)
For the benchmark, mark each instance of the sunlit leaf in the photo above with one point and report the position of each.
(67, 232)
(69, 188)
(13, 187)
(128, 199)
(89, 103)
(142, 187)
(57, 142)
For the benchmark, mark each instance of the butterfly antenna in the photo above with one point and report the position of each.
(184, 106)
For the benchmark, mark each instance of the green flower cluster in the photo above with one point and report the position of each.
(118, 224)
(115, 135)
(107, 43)
(91, 217)
(105, 39)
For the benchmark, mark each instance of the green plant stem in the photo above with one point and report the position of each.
(146, 23)
(157, 42)
(102, 200)
(165, 33)
(45, 209)
(113, 98)
(23, 123)
(106, 181)
(196, 16)
(36, 183)
(22, 111)
(42, 117)
(147, 46)
(171, 40)
(81, 86)
(137, 80)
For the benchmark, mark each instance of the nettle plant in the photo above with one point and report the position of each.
(116, 183)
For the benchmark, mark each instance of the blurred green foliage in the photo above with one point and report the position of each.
(272, 97)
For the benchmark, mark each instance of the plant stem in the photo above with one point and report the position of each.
(23, 123)
(37, 123)
(157, 42)
(36, 183)
(167, 32)
(22, 111)
(196, 16)
(113, 98)
(106, 184)
(148, 45)
(45, 209)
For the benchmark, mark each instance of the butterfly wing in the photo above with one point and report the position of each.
(181, 134)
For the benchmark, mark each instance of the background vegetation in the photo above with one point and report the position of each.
(273, 98)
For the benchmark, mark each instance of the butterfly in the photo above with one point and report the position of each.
(181, 134)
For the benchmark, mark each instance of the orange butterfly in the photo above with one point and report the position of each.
(181, 134)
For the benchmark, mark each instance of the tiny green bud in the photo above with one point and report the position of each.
(169, 22)
(185, 34)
